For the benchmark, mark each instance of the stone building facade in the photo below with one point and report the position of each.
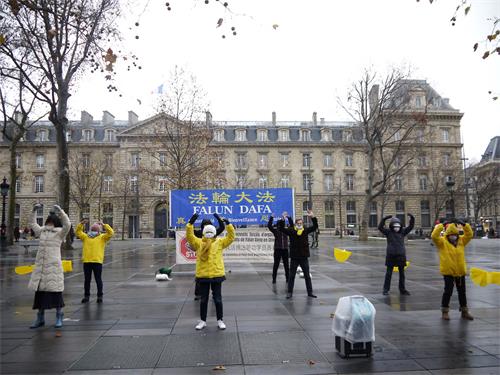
(322, 159)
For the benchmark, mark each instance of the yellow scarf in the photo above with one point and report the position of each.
(299, 231)
(207, 243)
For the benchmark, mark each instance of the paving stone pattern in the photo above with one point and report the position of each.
(147, 327)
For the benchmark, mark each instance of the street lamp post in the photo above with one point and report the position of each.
(450, 182)
(310, 182)
(466, 185)
(4, 189)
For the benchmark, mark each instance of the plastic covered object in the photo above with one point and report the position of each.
(341, 255)
(482, 277)
(396, 269)
(354, 319)
(162, 277)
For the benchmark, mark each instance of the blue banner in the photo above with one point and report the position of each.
(239, 206)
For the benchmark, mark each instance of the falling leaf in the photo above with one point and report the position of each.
(139, 101)
(52, 33)
(110, 56)
(486, 54)
(219, 22)
(219, 367)
(467, 10)
(475, 47)
(109, 67)
(311, 362)
(275, 26)
(14, 6)
(495, 98)
(58, 334)
(2, 39)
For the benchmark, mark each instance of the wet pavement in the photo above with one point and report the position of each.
(147, 327)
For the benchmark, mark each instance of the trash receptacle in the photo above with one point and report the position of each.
(354, 326)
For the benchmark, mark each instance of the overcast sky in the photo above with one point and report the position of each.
(319, 48)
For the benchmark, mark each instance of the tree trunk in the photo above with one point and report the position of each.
(12, 194)
(363, 229)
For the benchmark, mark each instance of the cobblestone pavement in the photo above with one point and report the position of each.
(147, 327)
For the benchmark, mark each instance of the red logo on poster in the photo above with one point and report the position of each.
(186, 250)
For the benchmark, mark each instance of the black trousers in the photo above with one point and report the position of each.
(196, 288)
(388, 276)
(96, 268)
(304, 264)
(204, 288)
(448, 290)
(280, 254)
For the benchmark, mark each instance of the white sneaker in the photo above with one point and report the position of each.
(202, 324)
(221, 324)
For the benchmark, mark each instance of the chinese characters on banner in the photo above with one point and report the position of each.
(240, 206)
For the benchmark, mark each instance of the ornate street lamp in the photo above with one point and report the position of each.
(4, 190)
(450, 182)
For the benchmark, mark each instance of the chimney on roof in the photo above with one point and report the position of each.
(86, 118)
(18, 117)
(132, 118)
(373, 97)
(274, 118)
(315, 118)
(208, 118)
(322, 120)
(107, 118)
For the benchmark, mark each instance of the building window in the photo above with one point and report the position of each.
(351, 212)
(42, 135)
(348, 160)
(328, 180)
(134, 160)
(425, 214)
(398, 183)
(422, 161)
(39, 184)
(219, 135)
(18, 185)
(397, 135)
(39, 215)
(263, 181)
(86, 160)
(327, 160)
(107, 184)
(305, 135)
(420, 135)
(241, 135)
(329, 213)
(162, 157)
(306, 181)
(240, 181)
(284, 160)
(285, 181)
(349, 182)
(110, 135)
(107, 213)
(262, 161)
(305, 217)
(400, 211)
(326, 135)
(68, 135)
(418, 102)
(306, 160)
(134, 184)
(261, 135)
(17, 214)
(397, 161)
(40, 161)
(85, 211)
(446, 135)
(422, 182)
(19, 160)
(241, 161)
(162, 184)
(87, 135)
(373, 220)
(446, 159)
(283, 135)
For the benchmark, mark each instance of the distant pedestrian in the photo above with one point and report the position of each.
(199, 233)
(94, 244)
(299, 251)
(210, 272)
(396, 251)
(452, 265)
(17, 234)
(47, 279)
(280, 244)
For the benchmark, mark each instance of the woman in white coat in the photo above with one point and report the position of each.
(47, 279)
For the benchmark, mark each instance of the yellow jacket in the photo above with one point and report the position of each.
(93, 248)
(209, 260)
(451, 258)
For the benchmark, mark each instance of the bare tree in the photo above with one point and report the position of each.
(17, 102)
(380, 105)
(63, 38)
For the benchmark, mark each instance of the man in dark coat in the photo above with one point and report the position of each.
(299, 251)
(280, 245)
(199, 233)
(396, 251)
